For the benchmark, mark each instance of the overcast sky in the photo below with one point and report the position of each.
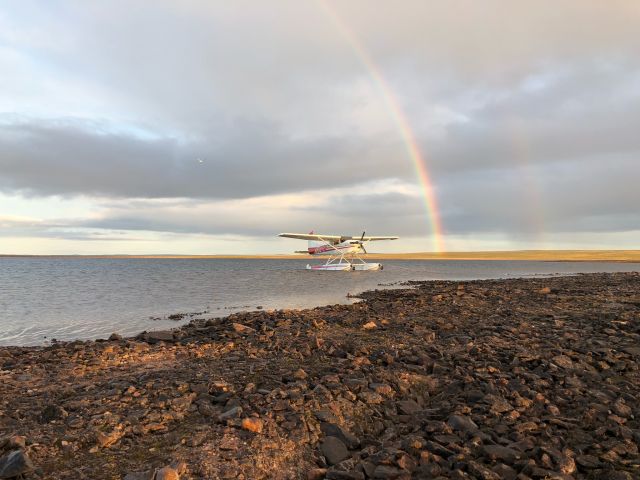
(209, 127)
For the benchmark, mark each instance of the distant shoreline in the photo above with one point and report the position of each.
(626, 256)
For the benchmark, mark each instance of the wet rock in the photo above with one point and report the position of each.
(159, 336)
(14, 464)
(334, 450)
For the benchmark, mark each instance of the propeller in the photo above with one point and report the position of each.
(362, 242)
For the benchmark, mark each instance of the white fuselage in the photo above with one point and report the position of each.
(342, 248)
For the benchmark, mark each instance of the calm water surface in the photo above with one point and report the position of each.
(45, 298)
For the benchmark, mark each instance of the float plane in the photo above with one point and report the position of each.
(343, 251)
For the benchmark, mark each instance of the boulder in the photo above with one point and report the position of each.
(334, 450)
(15, 463)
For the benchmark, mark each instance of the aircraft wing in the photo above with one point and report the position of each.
(312, 236)
(336, 238)
(369, 239)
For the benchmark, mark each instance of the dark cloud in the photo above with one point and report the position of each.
(588, 195)
(252, 159)
(552, 200)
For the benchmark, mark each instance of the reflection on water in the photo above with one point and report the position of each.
(62, 298)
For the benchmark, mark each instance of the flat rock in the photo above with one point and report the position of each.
(498, 404)
(159, 336)
(383, 472)
(331, 429)
(234, 412)
(407, 407)
(462, 423)
(505, 471)
(334, 450)
(588, 461)
(503, 454)
(344, 475)
(482, 471)
(563, 361)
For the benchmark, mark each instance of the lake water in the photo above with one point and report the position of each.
(80, 298)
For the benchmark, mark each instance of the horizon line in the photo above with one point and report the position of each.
(613, 255)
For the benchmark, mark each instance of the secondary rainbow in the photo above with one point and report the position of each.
(400, 119)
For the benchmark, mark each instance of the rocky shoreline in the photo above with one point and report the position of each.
(497, 379)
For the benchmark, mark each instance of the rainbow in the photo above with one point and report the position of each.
(401, 122)
(532, 194)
